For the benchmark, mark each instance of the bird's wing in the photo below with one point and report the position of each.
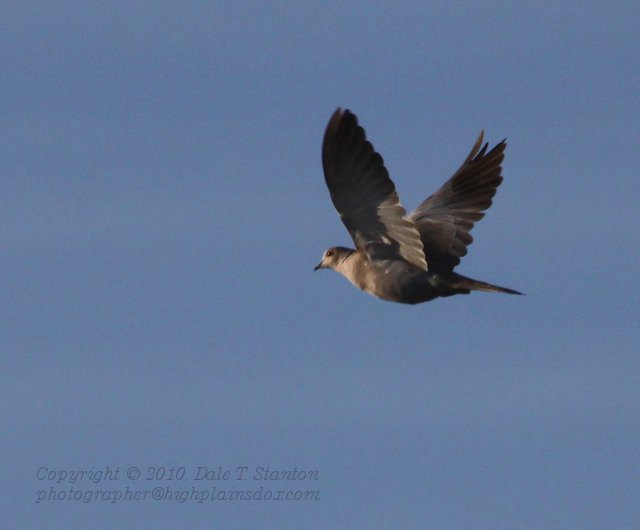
(445, 219)
(364, 195)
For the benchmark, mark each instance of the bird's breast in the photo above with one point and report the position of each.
(395, 280)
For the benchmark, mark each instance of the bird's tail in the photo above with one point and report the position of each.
(469, 284)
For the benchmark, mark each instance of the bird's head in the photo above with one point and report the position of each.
(332, 257)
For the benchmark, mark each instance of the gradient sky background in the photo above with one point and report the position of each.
(163, 206)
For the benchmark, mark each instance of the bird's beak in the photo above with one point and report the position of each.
(318, 266)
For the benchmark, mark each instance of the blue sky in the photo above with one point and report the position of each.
(163, 206)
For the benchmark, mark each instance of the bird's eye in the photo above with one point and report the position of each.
(329, 253)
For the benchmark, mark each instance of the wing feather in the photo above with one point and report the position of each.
(365, 196)
(445, 219)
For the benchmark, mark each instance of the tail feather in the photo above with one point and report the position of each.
(462, 282)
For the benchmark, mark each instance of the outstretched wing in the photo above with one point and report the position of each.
(364, 195)
(445, 219)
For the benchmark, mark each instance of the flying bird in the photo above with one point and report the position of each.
(398, 257)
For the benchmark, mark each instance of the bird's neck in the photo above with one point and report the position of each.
(349, 266)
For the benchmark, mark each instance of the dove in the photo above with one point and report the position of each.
(404, 258)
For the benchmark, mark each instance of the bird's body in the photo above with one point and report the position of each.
(400, 258)
(390, 279)
(396, 280)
